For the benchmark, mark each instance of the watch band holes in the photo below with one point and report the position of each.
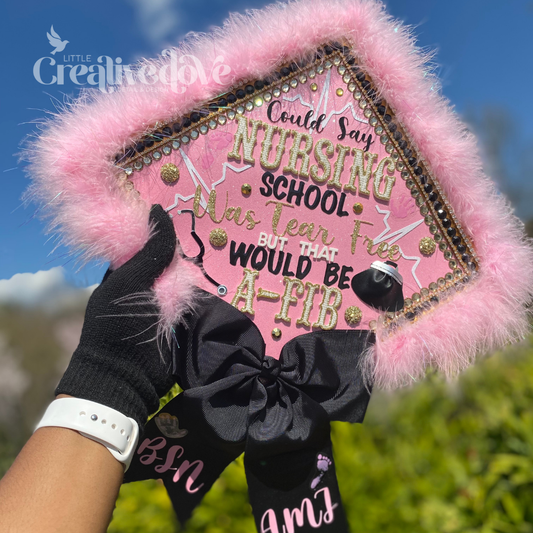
(113, 426)
(82, 413)
(104, 421)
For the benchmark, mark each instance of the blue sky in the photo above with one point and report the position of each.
(484, 56)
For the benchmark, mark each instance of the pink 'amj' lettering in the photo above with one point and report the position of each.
(293, 518)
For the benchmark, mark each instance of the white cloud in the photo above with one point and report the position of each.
(158, 20)
(48, 289)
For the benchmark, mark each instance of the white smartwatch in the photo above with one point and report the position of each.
(117, 432)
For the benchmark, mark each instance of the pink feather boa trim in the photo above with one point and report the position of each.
(70, 164)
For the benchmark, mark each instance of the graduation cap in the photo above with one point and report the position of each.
(308, 139)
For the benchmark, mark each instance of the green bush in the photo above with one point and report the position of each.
(439, 457)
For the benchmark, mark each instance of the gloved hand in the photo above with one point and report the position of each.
(119, 362)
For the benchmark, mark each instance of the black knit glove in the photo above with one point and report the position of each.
(119, 362)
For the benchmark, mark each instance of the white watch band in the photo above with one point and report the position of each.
(118, 433)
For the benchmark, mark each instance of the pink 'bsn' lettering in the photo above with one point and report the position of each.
(173, 453)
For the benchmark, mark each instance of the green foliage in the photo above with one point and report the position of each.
(143, 508)
(439, 457)
(8, 451)
(26, 335)
(446, 458)
(29, 333)
(226, 506)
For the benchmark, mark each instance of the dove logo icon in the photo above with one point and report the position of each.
(55, 40)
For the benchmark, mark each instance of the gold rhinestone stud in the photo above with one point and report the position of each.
(218, 237)
(357, 208)
(427, 246)
(276, 333)
(353, 315)
(339, 92)
(170, 173)
(246, 189)
(314, 86)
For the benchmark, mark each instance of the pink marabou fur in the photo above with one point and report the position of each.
(74, 177)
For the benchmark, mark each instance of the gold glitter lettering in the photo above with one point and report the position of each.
(196, 203)
(248, 285)
(322, 160)
(211, 205)
(288, 298)
(308, 303)
(297, 152)
(266, 146)
(394, 252)
(230, 213)
(339, 166)
(381, 250)
(356, 234)
(233, 213)
(267, 295)
(329, 308)
(359, 171)
(293, 229)
(250, 219)
(379, 175)
(277, 215)
(305, 228)
(248, 142)
(324, 232)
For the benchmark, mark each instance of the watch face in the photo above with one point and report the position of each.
(285, 188)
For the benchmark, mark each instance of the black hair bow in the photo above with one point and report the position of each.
(237, 399)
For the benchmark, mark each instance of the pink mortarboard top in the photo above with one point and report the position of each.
(311, 144)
